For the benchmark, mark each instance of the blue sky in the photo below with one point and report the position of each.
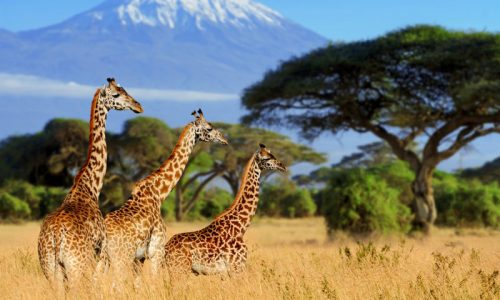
(334, 19)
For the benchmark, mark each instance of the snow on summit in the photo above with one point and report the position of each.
(216, 46)
(171, 12)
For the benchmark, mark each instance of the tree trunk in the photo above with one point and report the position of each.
(233, 182)
(424, 204)
(234, 187)
(178, 204)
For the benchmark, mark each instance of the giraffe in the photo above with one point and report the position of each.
(219, 247)
(72, 237)
(136, 231)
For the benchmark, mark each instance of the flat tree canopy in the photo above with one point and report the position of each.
(423, 82)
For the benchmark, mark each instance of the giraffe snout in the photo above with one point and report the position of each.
(137, 107)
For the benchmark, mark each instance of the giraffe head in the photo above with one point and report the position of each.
(204, 131)
(115, 97)
(267, 161)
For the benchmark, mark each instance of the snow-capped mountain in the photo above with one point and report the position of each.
(173, 13)
(203, 45)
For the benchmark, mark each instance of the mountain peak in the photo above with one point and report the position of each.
(173, 13)
(218, 46)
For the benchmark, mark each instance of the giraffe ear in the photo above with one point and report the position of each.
(103, 90)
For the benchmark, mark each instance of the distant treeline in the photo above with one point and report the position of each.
(368, 191)
(36, 170)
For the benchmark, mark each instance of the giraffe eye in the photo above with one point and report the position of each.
(116, 95)
(210, 129)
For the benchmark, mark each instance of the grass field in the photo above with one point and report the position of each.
(293, 259)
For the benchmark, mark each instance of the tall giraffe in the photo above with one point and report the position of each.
(136, 231)
(72, 237)
(219, 247)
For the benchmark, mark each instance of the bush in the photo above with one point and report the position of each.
(213, 202)
(467, 203)
(359, 202)
(299, 204)
(284, 199)
(397, 175)
(27, 193)
(168, 207)
(40, 200)
(52, 198)
(13, 208)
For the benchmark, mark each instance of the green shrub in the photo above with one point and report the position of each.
(210, 203)
(13, 208)
(40, 200)
(52, 198)
(168, 207)
(397, 175)
(299, 204)
(27, 193)
(214, 201)
(283, 198)
(359, 202)
(467, 203)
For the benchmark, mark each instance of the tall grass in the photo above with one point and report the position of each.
(290, 259)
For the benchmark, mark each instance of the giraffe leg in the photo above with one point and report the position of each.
(156, 248)
(103, 263)
(239, 259)
(48, 255)
(79, 267)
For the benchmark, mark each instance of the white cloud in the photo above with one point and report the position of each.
(28, 85)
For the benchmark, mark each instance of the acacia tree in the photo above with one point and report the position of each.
(50, 157)
(421, 83)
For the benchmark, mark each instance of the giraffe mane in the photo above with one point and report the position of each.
(91, 136)
(177, 145)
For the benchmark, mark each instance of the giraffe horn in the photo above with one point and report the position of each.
(262, 146)
(200, 112)
(193, 113)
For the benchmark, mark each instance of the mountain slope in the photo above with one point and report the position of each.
(208, 45)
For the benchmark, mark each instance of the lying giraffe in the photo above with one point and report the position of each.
(72, 237)
(219, 247)
(136, 231)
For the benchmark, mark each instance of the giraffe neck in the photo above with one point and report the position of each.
(90, 178)
(166, 177)
(245, 204)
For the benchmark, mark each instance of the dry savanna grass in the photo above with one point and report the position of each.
(291, 259)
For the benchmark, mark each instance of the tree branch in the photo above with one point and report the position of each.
(196, 194)
(465, 136)
(396, 144)
(411, 136)
(233, 181)
(195, 177)
(431, 148)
